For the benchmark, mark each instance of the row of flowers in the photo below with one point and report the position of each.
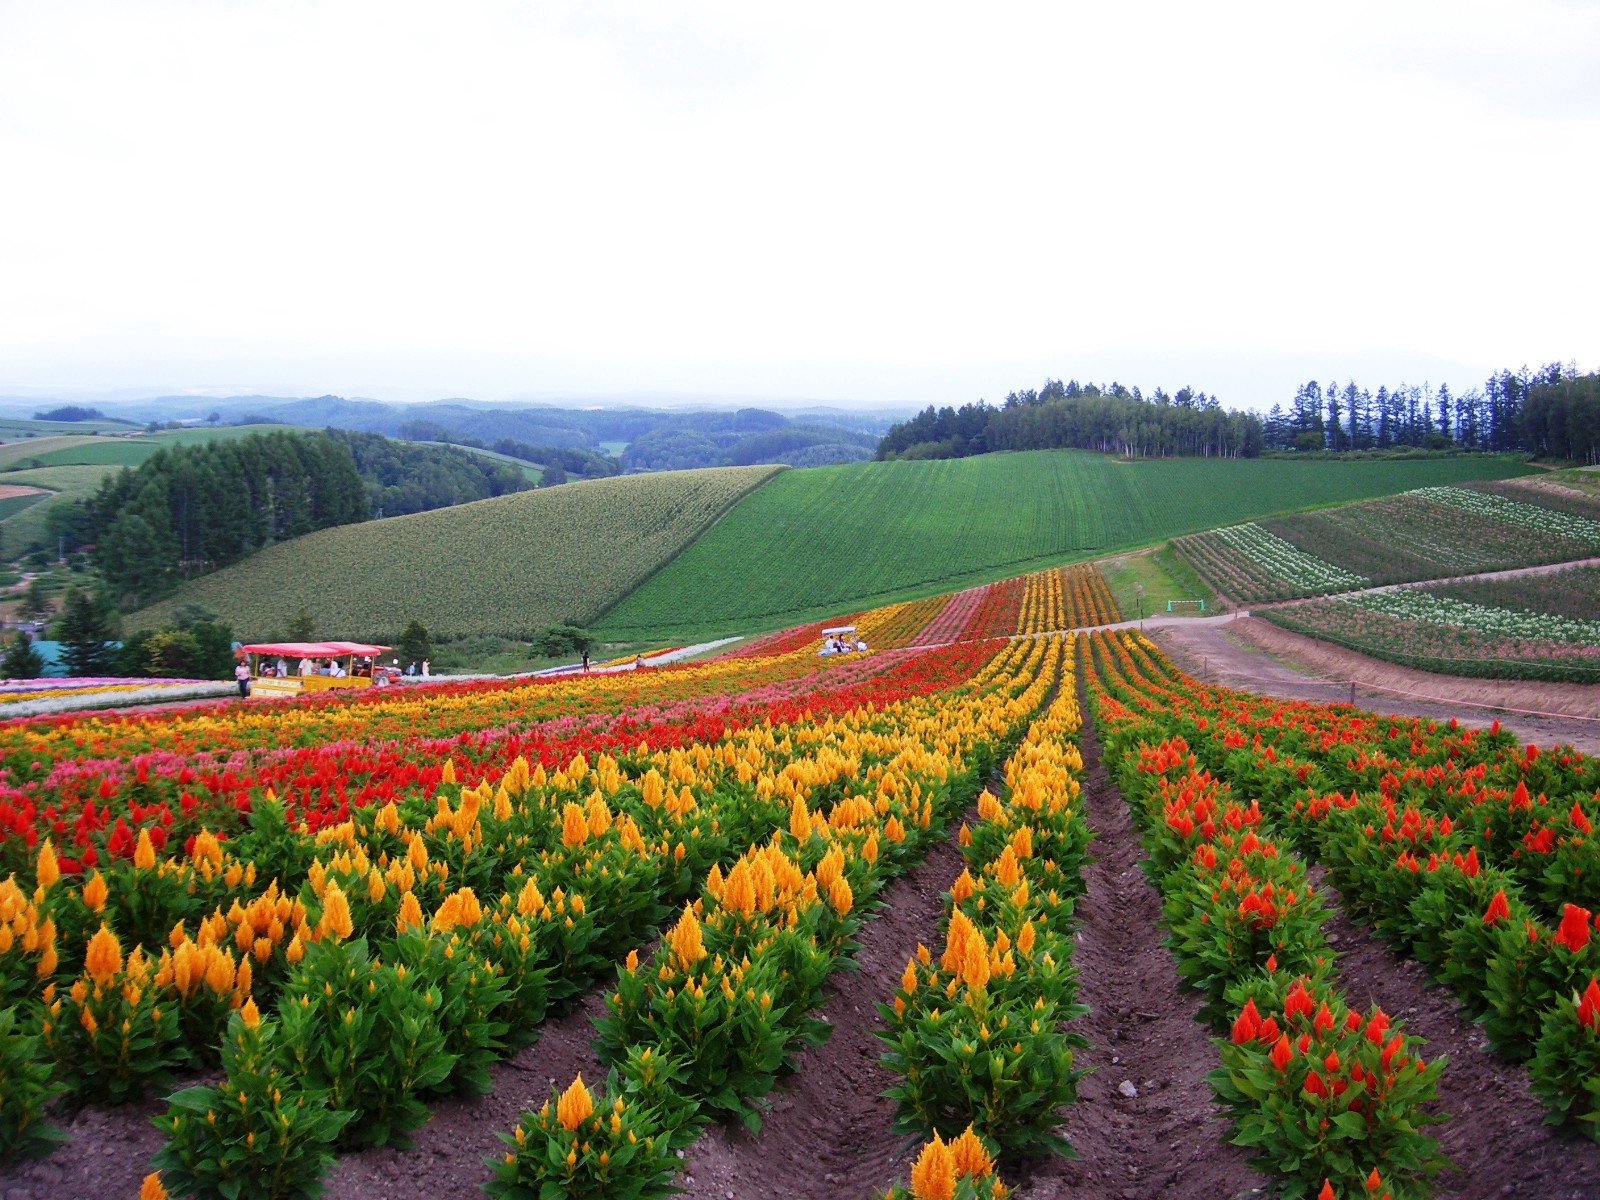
(1412, 604)
(1472, 853)
(703, 1028)
(975, 1035)
(1547, 521)
(1286, 561)
(1327, 1097)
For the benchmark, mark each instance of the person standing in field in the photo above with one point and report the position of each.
(585, 662)
(241, 673)
(307, 667)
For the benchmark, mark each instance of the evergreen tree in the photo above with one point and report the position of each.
(87, 633)
(302, 626)
(412, 647)
(21, 661)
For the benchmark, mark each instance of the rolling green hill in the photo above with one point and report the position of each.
(822, 542)
(510, 565)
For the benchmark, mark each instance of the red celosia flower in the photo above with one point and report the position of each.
(1589, 1006)
(1314, 1084)
(1298, 1002)
(1247, 1025)
(1282, 1053)
(1499, 910)
(1574, 931)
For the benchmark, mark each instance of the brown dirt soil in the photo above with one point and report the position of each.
(10, 490)
(1495, 1136)
(1256, 656)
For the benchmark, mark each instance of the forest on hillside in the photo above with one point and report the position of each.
(188, 510)
(1553, 412)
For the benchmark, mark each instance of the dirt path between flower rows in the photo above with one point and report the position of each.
(1494, 1136)
(1144, 1124)
(1253, 655)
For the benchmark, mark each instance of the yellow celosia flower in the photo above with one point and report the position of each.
(410, 916)
(103, 958)
(144, 854)
(575, 1105)
(685, 940)
(95, 893)
(574, 826)
(250, 1014)
(47, 870)
(840, 897)
(335, 914)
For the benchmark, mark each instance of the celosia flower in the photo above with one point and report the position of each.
(1589, 1005)
(103, 958)
(1498, 910)
(335, 914)
(575, 1105)
(47, 870)
(151, 1188)
(685, 941)
(1574, 931)
(933, 1175)
(971, 1157)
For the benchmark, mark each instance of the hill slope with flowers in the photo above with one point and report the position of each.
(310, 939)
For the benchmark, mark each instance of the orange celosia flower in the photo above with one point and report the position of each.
(95, 893)
(250, 1014)
(103, 959)
(575, 1105)
(971, 1158)
(574, 826)
(144, 854)
(335, 914)
(933, 1175)
(151, 1188)
(1589, 1005)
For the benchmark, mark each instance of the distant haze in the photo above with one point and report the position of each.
(886, 204)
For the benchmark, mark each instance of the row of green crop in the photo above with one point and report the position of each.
(1470, 852)
(817, 543)
(1328, 1099)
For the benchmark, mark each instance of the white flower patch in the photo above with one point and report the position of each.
(1287, 561)
(1514, 512)
(1409, 605)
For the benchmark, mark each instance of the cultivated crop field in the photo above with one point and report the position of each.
(1427, 533)
(509, 565)
(839, 538)
(348, 941)
(23, 528)
(1526, 627)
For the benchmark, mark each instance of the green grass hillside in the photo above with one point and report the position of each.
(509, 566)
(824, 542)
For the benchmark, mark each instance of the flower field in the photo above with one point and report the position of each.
(1426, 533)
(335, 917)
(1543, 627)
(1468, 851)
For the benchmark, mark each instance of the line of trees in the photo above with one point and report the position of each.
(188, 510)
(1112, 419)
(1553, 412)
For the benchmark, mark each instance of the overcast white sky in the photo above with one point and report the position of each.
(854, 202)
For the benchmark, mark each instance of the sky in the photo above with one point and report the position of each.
(862, 204)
